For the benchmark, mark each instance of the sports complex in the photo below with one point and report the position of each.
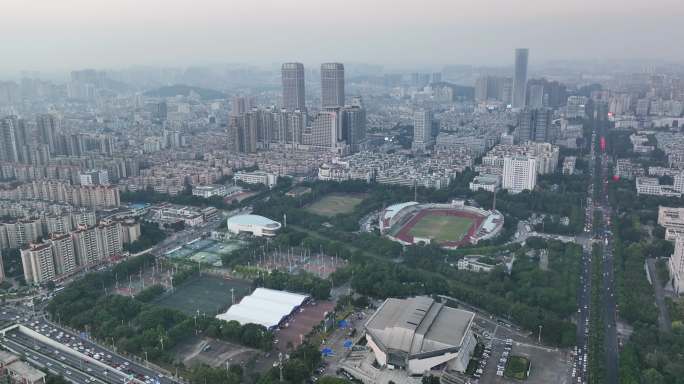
(449, 225)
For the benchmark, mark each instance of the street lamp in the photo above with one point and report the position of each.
(540, 330)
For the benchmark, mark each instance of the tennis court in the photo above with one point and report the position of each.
(206, 251)
(207, 294)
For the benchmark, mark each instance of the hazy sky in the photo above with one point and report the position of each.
(51, 35)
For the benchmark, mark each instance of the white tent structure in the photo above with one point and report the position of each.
(264, 306)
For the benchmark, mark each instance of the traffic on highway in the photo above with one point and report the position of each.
(78, 359)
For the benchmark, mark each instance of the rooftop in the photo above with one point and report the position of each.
(26, 371)
(253, 220)
(418, 325)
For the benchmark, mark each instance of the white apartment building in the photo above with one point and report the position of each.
(38, 263)
(63, 254)
(652, 186)
(489, 183)
(625, 169)
(94, 177)
(422, 130)
(676, 266)
(207, 191)
(519, 174)
(672, 219)
(569, 163)
(257, 177)
(473, 264)
(546, 154)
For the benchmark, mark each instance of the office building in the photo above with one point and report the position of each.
(354, 127)
(520, 77)
(519, 174)
(576, 107)
(536, 125)
(535, 97)
(332, 85)
(422, 130)
(493, 88)
(293, 86)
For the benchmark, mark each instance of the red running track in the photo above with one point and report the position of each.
(404, 235)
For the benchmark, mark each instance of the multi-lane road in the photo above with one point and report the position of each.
(598, 233)
(79, 360)
(608, 298)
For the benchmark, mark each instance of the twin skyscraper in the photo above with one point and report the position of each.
(335, 126)
(332, 86)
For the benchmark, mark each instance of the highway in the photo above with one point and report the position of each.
(75, 358)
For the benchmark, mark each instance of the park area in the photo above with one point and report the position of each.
(207, 294)
(441, 228)
(335, 204)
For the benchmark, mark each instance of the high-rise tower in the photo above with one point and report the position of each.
(332, 85)
(293, 86)
(520, 77)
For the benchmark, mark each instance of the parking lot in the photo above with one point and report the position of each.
(215, 353)
(547, 365)
(301, 323)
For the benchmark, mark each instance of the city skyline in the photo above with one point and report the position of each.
(76, 34)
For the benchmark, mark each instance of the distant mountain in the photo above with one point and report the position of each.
(180, 89)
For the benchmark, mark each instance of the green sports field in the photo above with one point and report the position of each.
(208, 294)
(335, 204)
(441, 228)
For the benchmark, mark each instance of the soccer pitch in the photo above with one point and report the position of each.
(441, 228)
(335, 204)
(208, 294)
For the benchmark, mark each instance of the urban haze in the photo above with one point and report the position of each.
(376, 192)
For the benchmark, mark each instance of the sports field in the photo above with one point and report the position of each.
(335, 204)
(206, 251)
(441, 228)
(208, 294)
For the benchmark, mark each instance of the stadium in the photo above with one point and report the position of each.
(449, 225)
(253, 224)
(419, 335)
